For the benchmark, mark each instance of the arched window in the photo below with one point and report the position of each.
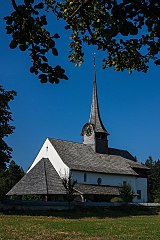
(85, 177)
(99, 181)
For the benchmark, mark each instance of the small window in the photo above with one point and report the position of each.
(139, 194)
(99, 181)
(85, 177)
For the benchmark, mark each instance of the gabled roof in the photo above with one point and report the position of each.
(81, 157)
(41, 179)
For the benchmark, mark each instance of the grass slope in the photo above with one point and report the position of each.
(80, 226)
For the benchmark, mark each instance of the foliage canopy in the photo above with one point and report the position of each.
(126, 30)
(5, 128)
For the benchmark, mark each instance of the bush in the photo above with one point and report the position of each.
(32, 197)
(116, 199)
(126, 193)
(157, 196)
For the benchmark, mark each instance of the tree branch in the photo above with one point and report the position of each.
(81, 7)
(14, 5)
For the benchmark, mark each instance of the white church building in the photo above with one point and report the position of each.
(100, 171)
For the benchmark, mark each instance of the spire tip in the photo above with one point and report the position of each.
(94, 59)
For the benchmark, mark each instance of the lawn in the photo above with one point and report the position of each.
(83, 227)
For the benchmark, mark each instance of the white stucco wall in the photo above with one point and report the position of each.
(112, 180)
(115, 180)
(48, 151)
(141, 184)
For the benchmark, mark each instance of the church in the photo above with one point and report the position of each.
(99, 170)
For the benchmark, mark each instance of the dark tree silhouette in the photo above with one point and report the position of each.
(5, 128)
(127, 31)
(153, 179)
(9, 177)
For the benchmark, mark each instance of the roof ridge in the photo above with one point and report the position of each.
(63, 140)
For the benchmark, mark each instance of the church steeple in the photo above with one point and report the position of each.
(95, 118)
(94, 132)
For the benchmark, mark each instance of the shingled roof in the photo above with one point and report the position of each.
(89, 189)
(81, 157)
(42, 179)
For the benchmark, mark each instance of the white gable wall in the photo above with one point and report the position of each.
(48, 151)
(114, 180)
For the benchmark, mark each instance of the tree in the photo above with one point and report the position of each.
(13, 174)
(9, 177)
(157, 196)
(126, 193)
(153, 179)
(127, 31)
(5, 128)
(69, 183)
(3, 187)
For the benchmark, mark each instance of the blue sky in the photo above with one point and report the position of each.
(129, 104)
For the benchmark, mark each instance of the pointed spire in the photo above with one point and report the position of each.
(95, 118)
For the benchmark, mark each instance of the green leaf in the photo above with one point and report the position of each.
(51, 43)
(13, 44)
(43, 78)
(56, 35)
(44, 65)
(157, 62)
(15, 35)
(27, 2)
(54, 51)
(9, 21)
(39, 6)
(124, 30)
(44, 59)
(56, 80)
(65, 77)
(32, 69)
(52, 79)
(9, 30)
(43, 19)
(23, 47)
(133, 30)
(67, 27)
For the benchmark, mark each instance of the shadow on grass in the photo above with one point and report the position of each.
(84, 212)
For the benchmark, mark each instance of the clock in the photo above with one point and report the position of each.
(88, 129)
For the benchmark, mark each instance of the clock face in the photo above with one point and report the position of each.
(88, 130)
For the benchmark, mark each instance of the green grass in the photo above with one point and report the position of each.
(108, 225)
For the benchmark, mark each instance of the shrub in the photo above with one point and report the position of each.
(116, 199)
(126, 193)
(157, 196)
